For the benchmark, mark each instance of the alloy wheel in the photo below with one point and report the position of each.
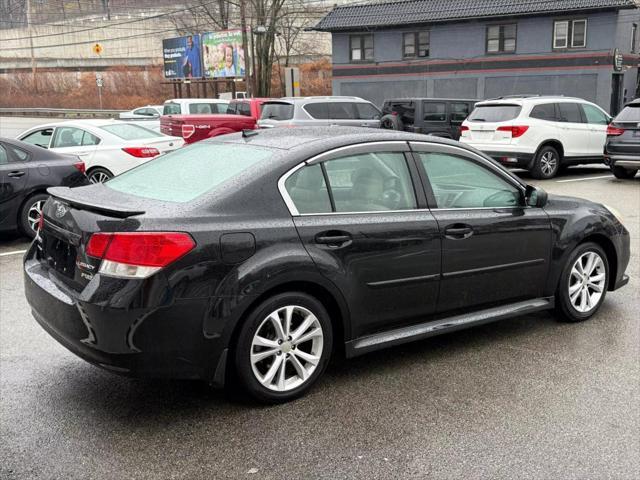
(286, 348)
(34, 214)
(548, 163)
(98, 177)
(587, 282)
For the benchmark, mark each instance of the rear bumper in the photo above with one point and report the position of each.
(512, 159)
(625, 161)
(155, 341)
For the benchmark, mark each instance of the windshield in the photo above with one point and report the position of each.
(127, 131)
(630, 113)
(277, 111)
(187, 173)
(494, 113)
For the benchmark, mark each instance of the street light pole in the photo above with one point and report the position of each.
(33, 57)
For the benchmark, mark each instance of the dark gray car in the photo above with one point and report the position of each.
(622, 150)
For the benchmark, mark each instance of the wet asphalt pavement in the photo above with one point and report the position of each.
(524, 398)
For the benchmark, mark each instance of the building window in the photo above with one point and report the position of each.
(570, 34)
(361, 48)
(634, 37)
(501, 38)
(415, 44)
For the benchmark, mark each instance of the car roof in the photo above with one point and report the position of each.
(531, 100)
(194, 100)
(295, 100)
(418, 99)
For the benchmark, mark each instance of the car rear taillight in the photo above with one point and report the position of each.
(80, 166)
(142, 152)
(40, 222)
(137, 254)
(516, 130)
(614, 131)
(464, 128)
(187, 130)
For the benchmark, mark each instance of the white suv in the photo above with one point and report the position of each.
(540, 134)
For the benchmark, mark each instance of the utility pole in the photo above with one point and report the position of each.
(248, 71)
(33, 57)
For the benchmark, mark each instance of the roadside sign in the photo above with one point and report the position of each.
(99, 82)
(97, 49)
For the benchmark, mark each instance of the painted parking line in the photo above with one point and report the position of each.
(15, 252)
(583, 179)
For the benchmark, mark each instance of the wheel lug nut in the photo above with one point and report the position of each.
(288, 338)
(293, 347)
(279, 353)
(279, 342)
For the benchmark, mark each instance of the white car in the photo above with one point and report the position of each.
(194, 106)
(142, 113)
(539, 134)
(107, 147)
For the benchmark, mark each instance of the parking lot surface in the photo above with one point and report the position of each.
(524, 398)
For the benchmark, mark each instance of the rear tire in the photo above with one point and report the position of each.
(546, 163)
(583, 283)
(623, 173)
(276, 363)
(30, 213)
(99, 175)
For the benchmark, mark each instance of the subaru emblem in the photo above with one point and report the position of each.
(61, 210)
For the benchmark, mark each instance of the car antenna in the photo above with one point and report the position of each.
(247, 133)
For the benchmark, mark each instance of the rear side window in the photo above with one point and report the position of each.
(202, 168)
(569, 113)
(342, 111)
(19, 153)
(171, 109)
(206, 108)
(494, 113)
(127, 131)
(308, 190)
(319, 111)
(4, 156)
(277, 111)
(544, 112)
(434, 112)
(630, 113)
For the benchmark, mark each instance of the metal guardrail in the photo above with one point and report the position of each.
(59, 112)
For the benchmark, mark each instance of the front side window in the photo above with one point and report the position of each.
(366, 111)
(415, 44)
(434, 112)
(203, 168)
(594, 115)
(361, 48)
(569, 34)
(459, 182)
(371, 182)
(40, 138)
(68, 137)
(501, 38)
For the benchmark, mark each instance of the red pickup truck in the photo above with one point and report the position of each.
(241, 115)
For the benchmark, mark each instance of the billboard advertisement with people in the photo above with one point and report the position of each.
(182, 57)
(223, 55)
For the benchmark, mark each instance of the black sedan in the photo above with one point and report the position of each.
(26, 171)
(622, 149)
(255, 256)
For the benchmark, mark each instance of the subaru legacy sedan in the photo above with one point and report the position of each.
(251, 258)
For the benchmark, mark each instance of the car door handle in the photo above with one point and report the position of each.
(81, 154)
(15, 174)
(333, 239)
(458, 231)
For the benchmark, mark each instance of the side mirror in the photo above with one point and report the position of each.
(535, 196)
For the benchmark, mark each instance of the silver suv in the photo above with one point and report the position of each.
(319, 111)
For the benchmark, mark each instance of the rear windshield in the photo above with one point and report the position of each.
(277, 111)
(630, 113)
(187, 173)
(171, 109)
(127, 131)
(494, 113)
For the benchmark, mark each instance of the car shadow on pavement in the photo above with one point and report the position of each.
(569, 172)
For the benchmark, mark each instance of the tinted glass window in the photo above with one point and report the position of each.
(342, 111)
(205, 108)
(4, 156)
(594, 115)
(245, 109)
(434, 112)
(41, 138)
(308, 190)
(459, 111)
(127, 131)
(319, 111)
(203, 167)
(89, 139)
(277, 111)
(544, 112)
(406, 110)
(172, 109)
(366, 111)
(458, 182)
(371, 182)
(570, 112)
(18, 152)
(630, 113)
(494, 113)
(232, 109)
(67, 137)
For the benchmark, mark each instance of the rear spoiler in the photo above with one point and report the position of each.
(93, 199)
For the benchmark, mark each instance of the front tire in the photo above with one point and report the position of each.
(583, 283)
(283, 347)
(546, 163)
(30, 214)
(623, 173)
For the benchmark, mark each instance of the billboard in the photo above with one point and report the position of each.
(222, 54)
(182, 57)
